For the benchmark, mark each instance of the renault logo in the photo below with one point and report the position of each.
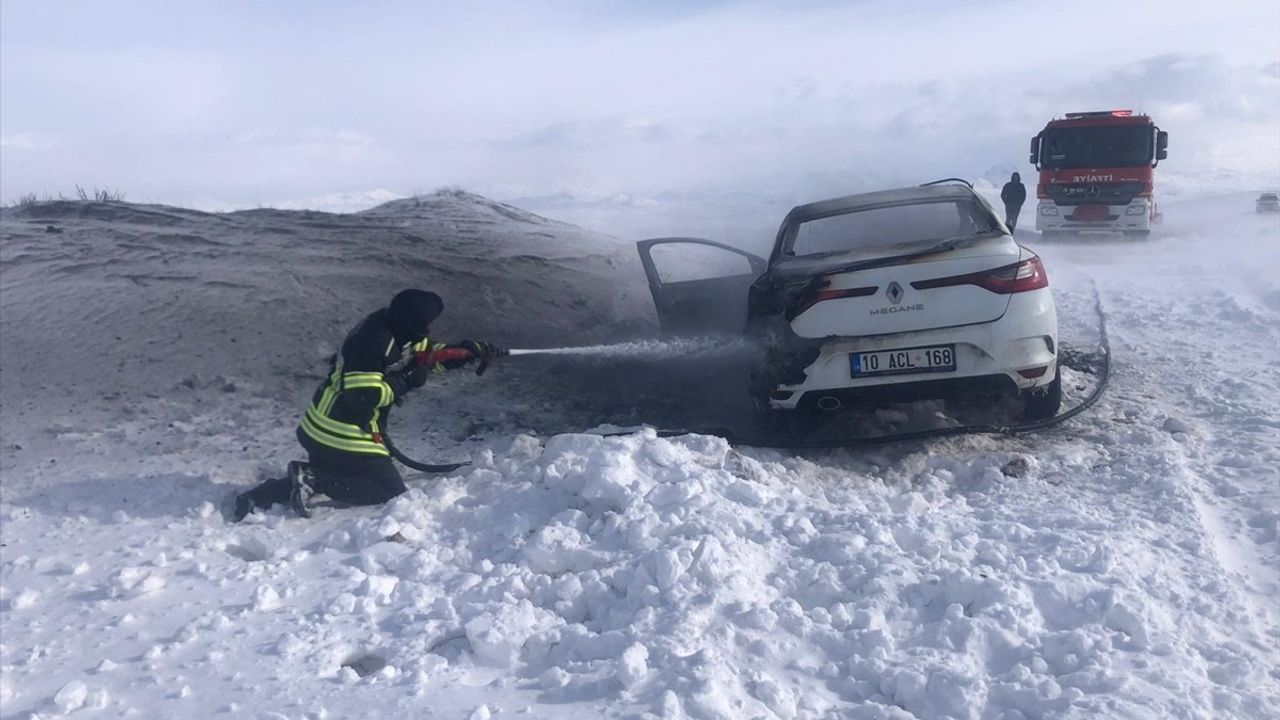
(894, 292)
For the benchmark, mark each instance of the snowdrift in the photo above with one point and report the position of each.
(155, 359)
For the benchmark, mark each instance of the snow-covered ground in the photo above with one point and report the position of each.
(1126, 565)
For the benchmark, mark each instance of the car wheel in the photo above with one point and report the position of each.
(1137, 234)
(1042, 404)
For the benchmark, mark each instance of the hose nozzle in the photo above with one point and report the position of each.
(494, 352)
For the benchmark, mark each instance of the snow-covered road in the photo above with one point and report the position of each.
(1125, 565)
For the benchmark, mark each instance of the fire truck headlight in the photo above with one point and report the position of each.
(1136, 210)
(1048, 211)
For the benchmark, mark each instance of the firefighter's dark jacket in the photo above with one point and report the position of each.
(346, 410)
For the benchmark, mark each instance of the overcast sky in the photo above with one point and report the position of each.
(244, 103)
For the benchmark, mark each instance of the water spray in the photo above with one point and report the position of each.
(685, 346)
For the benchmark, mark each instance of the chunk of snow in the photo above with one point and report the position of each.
(26, 598)
(266, 599)
(633, 665)
(379, 588)
(554, 678)
(132, 582)
(497, 635)
(71, 696)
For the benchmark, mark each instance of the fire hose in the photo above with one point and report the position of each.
(427, 359)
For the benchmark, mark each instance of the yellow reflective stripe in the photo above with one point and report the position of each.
(385, 394)
(376, 382)
(361, 381)
(327, 399)
(318, 431)
(335, 427)
(375, 450)
(315, 433)
(359, 376)
(320, 428)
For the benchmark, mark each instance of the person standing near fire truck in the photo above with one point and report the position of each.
(1014, 193)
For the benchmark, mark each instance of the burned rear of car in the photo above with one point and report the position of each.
(899, 294)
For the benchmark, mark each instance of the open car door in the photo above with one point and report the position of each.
(699, 286)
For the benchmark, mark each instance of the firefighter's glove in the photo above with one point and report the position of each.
(483, 350)
(480, 348)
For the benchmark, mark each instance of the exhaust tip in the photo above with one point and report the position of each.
(829, 402)
(1033, 373)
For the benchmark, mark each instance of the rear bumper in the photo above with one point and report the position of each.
(1136, 215)
(920, 390)
(988, 358)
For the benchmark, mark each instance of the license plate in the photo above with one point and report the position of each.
(936, 358)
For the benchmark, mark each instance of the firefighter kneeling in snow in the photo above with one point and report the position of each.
(340, 429)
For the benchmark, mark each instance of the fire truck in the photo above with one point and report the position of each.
(1096, 173)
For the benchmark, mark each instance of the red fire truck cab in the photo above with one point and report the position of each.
(1096, 173)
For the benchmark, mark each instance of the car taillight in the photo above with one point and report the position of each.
(822, 295)
(1018, 277)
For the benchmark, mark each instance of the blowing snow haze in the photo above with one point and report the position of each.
(637, 118)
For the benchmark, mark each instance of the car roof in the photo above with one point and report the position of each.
(862, 201)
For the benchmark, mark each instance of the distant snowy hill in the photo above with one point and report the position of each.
(347, 202)
(583, 198)
(155, 361)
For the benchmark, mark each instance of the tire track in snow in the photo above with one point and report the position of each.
(1196, 334)
(1225, 429)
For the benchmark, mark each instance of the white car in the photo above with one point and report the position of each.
(903, 294)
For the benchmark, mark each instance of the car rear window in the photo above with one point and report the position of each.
(892, 226)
